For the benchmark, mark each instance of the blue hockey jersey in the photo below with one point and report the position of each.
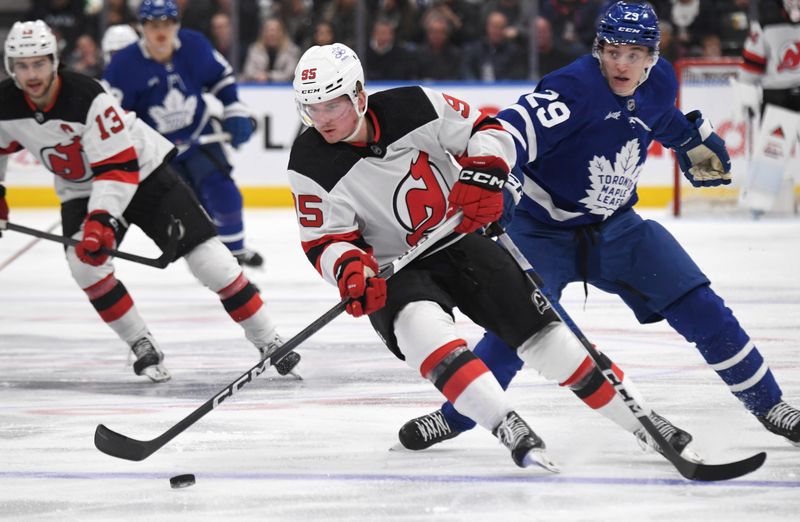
(581, 147)
(169, 97)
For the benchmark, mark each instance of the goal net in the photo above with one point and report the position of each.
(704, 84)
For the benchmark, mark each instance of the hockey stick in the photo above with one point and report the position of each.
(162, 261)
(690, 470)
(120, 446)
(13, 257)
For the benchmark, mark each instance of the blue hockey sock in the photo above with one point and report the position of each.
(223, 201)
(702, 318)
(504, 363)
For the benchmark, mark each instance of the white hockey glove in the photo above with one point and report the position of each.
(703, 158)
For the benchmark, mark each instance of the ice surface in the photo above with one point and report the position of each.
(319, 449)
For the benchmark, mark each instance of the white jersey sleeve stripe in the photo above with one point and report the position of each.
(530, 145)
(540, 196)
(221, 84)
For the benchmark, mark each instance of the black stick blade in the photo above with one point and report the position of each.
(715, 472)
(112, 443)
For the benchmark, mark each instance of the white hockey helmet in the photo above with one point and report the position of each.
(115, 38)
(28, 39)
(324, 73)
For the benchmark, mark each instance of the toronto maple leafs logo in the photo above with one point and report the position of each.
(611, 187)
(176, 112)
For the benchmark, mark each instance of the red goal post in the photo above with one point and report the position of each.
(704, 84)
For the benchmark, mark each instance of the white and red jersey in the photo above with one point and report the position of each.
(383, 196)
(92, 146)
(772, 50)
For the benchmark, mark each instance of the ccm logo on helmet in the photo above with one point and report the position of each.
(308, 74)
(481, 178)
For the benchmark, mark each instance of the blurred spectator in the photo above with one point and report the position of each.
(196, 14)
(669, 48)
(387, 59)
(404, 17)
(734, 25)
(711, 46)
(518, 14)
(322, 35)
(273, 57)
(222, 35)
(550, 56)
(463, 16)
(494, 57)
(341, 14)
(573, 23)
(438, 58)
(296, 16)
(65, 17)
(693, 21)
(86, 57)
(117, 12)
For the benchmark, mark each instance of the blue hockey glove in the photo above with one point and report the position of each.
(703, 158)
(240, 129)
(512, 194)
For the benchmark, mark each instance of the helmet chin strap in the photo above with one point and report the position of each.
(357, 129)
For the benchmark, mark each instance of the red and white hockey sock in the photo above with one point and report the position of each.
(217, 269)
(467, 383)
(114, 304)
(243, 303)
(589, 384)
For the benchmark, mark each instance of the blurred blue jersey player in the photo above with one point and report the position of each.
(173, 68)
(581, 140)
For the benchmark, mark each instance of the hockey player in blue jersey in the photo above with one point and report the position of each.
(174, 67)
(581, 140)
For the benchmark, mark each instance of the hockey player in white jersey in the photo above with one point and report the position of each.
(369, 180)
(112, 170)
(772, 63)
(576, 220)
(174, 68)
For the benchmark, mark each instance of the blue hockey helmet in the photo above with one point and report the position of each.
(158, 10)
(629, 23)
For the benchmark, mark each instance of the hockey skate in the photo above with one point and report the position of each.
(287, 364)
(250, 258)
(783, 420)
(677, 438)
(423, 432)
(149, 359)
(526, 447)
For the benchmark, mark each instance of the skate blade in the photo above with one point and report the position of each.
(539, 458)
(157, 373)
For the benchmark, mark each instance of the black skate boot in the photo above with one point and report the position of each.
(149, 359)
(250, 258)
(677, 438)
(286, 365)
(526, 447)
(783, 420)
(423, 432)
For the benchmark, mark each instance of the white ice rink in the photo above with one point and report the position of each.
(319, 449)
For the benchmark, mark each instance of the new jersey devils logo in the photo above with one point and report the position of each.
(419, 201)
(790, 57)
(66, 161)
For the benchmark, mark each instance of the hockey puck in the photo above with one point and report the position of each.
(287, 364)
(182, 481)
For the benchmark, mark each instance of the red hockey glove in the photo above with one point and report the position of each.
(3, 210)
(478, 191)
(99, 231)
(355, 273)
